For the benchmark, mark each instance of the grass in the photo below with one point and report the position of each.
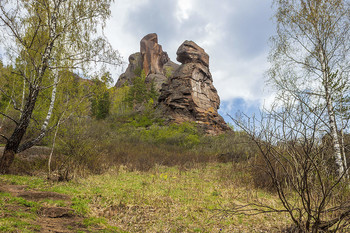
(164, 199)
(17, 214)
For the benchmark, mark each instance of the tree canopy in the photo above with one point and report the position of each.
(46, 39)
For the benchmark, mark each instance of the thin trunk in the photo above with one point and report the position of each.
(43, 130)
(342, 136)
(331, 117)
(335, 138)
(17, 135)
(14, 141)
(343, 153)
(52, 149)
(23, 94)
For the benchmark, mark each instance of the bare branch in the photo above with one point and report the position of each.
(7, 116)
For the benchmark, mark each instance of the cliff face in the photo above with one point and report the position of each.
(186, 91)
(189, 94)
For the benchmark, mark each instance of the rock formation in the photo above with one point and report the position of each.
(152, 60)
(186, 91)
(153, 56)
(135, 62)
(189, 94)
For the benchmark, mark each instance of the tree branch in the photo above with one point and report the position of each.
(4, 137)
(7, 116)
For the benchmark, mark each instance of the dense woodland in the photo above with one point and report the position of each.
(291, 162)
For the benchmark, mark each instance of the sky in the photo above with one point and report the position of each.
(235, 34)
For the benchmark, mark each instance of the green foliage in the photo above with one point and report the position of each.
(119, 107)
(141, 93)
(46, 41)
(184, 135)
(101, 101)
(100, 106)
(80, 205)
(17, 220)
(168, 71)
(138, 71)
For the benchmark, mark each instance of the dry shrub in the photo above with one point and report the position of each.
(143, 157)
(31, 167)
(260, 176)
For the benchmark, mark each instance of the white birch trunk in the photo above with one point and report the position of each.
(52, 103)
(345, 163)
(331, 117)
(23, 95)
(53, 148)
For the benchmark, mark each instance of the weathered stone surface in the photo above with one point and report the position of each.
(152, 60)
(186, 91)
(190, 52)
(135, 63)
(170, 67)
(153, 56)
(157, 80)
(189, 95)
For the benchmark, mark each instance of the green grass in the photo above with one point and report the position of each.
(164, 199)
(17, 214)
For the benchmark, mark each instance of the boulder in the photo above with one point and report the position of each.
(189, 94)
(153, 56)
(190, 52)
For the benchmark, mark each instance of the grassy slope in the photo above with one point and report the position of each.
(161, 200)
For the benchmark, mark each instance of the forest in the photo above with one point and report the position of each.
(78, 154)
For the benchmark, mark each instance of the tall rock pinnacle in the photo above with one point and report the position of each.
(189, 94)
(186, 91)
(153, 56)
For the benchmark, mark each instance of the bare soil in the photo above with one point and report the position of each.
(51, 218)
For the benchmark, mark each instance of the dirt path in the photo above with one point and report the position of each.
(51, 218)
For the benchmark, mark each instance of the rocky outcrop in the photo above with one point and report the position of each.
(135, 64)
(186, 91)
(153, 56)
(155, 63)
(190, 52)
(189, 94)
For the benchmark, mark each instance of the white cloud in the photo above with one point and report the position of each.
(234, 33)
(183, 10)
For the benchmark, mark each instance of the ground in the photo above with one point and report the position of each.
(49, 218)
(164, 199)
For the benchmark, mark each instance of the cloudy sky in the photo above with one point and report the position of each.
(235, 34)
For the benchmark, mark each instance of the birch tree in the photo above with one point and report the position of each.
(46, 38)
(310, 56)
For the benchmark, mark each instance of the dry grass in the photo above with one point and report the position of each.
(168, 199)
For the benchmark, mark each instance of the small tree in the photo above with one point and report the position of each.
(101, 100)
(310, 72)
(44, 38)
(299, 164)
(311, 56)
(140, 92)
